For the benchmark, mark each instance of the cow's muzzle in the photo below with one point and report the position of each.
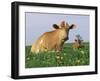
(67, 38)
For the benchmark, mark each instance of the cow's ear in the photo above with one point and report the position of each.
(72, 26)
(55, 26)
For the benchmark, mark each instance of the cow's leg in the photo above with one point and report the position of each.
(58, 47)
(62, 43)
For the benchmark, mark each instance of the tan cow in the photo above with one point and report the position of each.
(77, 44)
(53, 40)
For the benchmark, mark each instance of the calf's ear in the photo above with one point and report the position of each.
(72, 26)
(55, 26)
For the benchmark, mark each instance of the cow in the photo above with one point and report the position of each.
(53, 40)
(77, 44)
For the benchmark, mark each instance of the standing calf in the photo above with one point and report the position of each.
(53, 40)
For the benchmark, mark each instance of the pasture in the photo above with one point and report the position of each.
(68, 57)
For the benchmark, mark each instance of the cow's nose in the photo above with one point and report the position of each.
(66, 38)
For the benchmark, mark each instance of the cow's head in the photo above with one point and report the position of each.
(65, 27)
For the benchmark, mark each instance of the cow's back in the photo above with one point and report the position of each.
(48, 41)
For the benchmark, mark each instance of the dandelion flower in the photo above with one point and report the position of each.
(78, 61)
(64, 53)
(61, 58)
(28, 58)
(58, 57)
(82, 52)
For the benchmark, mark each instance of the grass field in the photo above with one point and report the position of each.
(68, 57)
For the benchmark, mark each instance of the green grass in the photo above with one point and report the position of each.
(68, 57)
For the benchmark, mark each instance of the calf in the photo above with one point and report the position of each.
(77, 44)
(53, 40)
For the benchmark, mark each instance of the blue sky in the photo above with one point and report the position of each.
(38, 23)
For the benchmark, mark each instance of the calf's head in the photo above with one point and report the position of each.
(64, 26)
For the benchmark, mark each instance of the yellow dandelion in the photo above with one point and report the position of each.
(82, 52)
(28, 58)
(83, 62)
(64, 53)
(61, 58)
(58, 57)
(78, 61)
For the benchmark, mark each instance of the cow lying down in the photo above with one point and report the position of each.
(53, 40)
